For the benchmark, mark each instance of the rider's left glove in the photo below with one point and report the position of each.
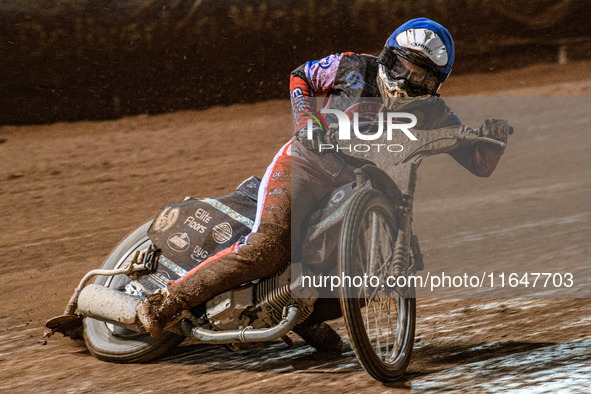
(316, 139)
(498, 129)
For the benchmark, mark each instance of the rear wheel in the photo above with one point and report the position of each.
(108, 342)
(380, 319)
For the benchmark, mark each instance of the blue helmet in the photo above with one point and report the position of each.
(429, 38)
(416, 59)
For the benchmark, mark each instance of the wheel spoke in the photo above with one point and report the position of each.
(373, 243)
(388, 336)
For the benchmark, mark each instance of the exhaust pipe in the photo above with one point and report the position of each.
(247, 334)
(109, 305)
(116, 307)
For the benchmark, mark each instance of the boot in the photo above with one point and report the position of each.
(160, 308)
(320, 336)
(155, 312)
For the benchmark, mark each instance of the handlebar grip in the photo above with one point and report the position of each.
(492, 141)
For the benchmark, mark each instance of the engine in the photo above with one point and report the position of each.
(257, 305)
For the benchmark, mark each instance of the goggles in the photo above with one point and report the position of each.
(409, 71)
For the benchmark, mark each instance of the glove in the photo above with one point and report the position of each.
(498, 129)
(317, 137)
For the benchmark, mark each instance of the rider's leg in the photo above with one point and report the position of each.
(266, 250)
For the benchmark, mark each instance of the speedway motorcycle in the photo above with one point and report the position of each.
(371, 218)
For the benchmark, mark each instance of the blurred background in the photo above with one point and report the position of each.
(66, 60)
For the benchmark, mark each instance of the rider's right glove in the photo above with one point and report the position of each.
(498, 129)
(316, 139)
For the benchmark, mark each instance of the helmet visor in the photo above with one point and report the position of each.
(417, 80)
(409, 70)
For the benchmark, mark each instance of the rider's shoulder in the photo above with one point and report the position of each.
(438, 114)
(363, 61)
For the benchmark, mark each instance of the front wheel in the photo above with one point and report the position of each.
(380, 320)
(108, 342)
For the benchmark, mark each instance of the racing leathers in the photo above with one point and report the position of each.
(297, 179)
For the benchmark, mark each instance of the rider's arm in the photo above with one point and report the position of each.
(480, 159)
(309, 80)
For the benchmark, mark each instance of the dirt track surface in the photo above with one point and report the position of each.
(70, 192)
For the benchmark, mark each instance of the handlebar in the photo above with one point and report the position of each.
(428, 143)
(473, 137)
(492, 141)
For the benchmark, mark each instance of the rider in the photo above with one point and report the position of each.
(415, 61)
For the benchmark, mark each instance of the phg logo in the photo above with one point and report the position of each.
(344, 134)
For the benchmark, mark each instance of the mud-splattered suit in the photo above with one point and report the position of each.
(297, 178)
